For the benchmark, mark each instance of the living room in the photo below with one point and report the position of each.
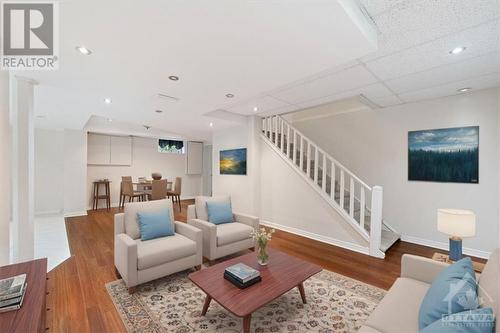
(250, 166)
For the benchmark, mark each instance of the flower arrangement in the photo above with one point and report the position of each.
(262, 237)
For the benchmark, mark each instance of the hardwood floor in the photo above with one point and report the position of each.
(78, 301)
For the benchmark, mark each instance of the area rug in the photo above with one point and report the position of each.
(335, 303)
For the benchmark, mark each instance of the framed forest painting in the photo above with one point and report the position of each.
(444, 155)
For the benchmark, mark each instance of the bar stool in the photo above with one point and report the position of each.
(106, 196)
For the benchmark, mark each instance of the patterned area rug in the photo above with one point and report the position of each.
(173, 304)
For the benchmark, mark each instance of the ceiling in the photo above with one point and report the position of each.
(277, 56)
(412, 62)
(244, 48)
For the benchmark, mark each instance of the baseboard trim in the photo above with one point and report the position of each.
(48, 212)
(77, 213)
(328, 240)
(444, 246)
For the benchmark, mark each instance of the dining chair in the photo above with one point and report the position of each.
(128, 191)
(176, 192)
(158, 190)
(122, 197)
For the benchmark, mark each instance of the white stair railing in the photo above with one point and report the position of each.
(315, 165)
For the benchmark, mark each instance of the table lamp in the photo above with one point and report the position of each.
(457, 224)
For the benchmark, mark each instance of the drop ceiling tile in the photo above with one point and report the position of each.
(344, 80)
(371, 91)
(416, 22)
(375, 8)
(385, 101)
(263, 103)
(485, 64)
(281, 110)
(476, 83)
(479, 40)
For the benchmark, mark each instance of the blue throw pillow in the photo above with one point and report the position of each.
(474, 321)
(219, 212)
(453, 291)
(155, 224)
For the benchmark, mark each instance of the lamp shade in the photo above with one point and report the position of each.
(455, 222)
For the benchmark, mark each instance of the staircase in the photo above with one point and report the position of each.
(359, 204)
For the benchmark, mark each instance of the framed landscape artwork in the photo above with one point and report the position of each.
(233, 162)
(444, 155)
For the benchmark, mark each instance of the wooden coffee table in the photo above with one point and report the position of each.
(282, 274)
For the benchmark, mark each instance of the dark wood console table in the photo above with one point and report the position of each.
(31, 316)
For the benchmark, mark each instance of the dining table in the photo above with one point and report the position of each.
(147, 186)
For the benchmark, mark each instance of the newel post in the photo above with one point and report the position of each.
(376, 222)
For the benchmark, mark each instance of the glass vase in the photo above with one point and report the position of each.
(262, 256)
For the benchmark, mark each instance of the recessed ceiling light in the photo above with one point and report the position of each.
(159, 111)
(229, 95)
(109, 120)
(147, 127)
(83, 50)
(458, 50)
(255, 109)
(108, 101)
(211, 124)
(464, 89)
(173, 78)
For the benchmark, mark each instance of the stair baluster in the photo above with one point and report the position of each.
(367, 218)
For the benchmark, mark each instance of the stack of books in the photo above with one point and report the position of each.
(12, 292)
(241, 275)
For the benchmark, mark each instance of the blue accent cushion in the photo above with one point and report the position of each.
(219, 212)
(155, 224)
(454, 290)
(474, 321)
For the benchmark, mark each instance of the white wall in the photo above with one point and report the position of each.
(244, 189)
(61, 172)
(5, 175)
(289, 203)
(145, 160)
(207, 170)
(374, 145)
(75, 172)
(275, 192)
(49, 171)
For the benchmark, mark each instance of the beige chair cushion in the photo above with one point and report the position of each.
(489, 285)
(163, 250)
(228, 233)
(200, 203)
(132, 208)
(398, 310)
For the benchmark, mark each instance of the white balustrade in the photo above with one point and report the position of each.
(288, 144)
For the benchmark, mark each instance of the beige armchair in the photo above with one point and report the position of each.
(140, 261)
(223, 239)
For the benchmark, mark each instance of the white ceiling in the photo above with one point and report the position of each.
(279, 56)
(216, 47)
(412, 62)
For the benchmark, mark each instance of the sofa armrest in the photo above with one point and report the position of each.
(194, 234)
(119, 223)
(191, 212)
(126, 259)
(420, 268)
(252, 221)
(209, 231)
